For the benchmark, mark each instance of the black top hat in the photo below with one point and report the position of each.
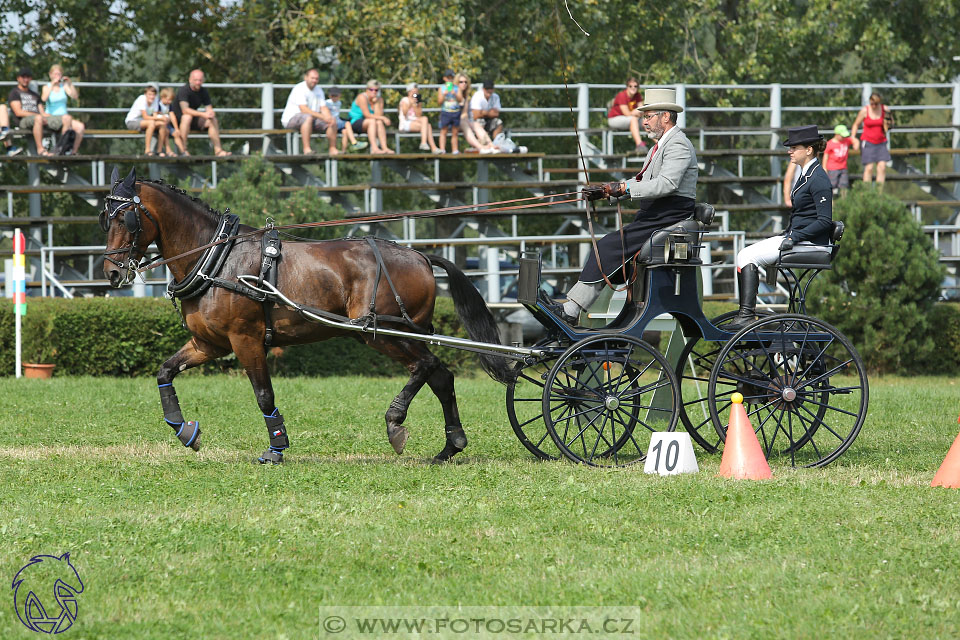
(802, 135)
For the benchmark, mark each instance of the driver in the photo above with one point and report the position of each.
(665, 190)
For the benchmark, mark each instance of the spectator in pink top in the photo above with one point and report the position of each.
(623, 115)
(835, 158)
(874, 152)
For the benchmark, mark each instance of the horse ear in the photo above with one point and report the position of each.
(130, 179)
(115, 175)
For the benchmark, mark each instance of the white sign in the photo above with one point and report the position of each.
(669, 453)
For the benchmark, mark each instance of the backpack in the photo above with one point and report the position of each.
(65, 143)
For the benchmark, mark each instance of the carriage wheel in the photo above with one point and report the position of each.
(605, 396)
(525, 406)
(693, 373)
(804, 387)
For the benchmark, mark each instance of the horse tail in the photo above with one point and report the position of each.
(476, 318)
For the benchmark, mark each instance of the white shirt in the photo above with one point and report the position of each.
(139, 105)
(301, 95)
(479, 102)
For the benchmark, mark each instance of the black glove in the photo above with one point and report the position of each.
(593, 192)
(787, 244)
(614, 189)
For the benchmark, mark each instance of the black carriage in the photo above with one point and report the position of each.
(596, 395)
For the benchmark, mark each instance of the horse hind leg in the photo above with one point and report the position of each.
(190, 355)
(421, 364)
(441, 383)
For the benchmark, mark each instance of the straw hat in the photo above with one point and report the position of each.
(660, 100)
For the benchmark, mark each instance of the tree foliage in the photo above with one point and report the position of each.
(253, 193)
(884, 284)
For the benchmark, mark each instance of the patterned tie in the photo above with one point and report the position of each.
(650, 157)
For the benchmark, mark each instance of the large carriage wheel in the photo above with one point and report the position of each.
(693, 373)
(525, 405)
(605, 396)
(804, 388)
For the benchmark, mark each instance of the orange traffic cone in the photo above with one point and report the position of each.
(948, 475)
(743, 458)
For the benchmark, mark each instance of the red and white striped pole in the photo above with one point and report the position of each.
(19, 289)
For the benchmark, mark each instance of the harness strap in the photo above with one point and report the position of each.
(381, 267)
(270, 247)
(210, 263)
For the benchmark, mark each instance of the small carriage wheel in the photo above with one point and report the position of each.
(693, 372)
(525, 405)
(598, 394)
(804, 387)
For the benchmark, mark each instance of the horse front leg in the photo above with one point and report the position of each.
(193, 353)
(253, 356)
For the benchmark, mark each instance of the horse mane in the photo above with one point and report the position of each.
(199, 205)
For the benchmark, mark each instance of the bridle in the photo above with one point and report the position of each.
(131, 208)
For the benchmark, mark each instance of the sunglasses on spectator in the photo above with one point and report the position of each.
(632, 86)
(461, 82)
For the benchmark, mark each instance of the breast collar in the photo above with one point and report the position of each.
(210, 262)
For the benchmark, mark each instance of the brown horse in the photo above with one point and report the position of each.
(338, 277)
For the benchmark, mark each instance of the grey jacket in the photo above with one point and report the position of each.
(672, 171)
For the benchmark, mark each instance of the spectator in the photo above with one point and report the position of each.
(28, 108)
(145, 115)
(451, 102)
(54, 96)
(366, 114)
(167, 95)
(835, 159)
(307, 111)
(5, 132)
(485, 105)
(410, 118)
(476, 137)
(194, 110)
(874, 151)
(334, 104)
(623, 115)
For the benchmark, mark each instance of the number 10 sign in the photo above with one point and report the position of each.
(670, 453)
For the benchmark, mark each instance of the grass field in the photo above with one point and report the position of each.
(172, 544)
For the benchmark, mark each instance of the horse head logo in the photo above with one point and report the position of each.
(45, 593)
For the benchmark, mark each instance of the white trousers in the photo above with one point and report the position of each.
(766, 252)
(581, 296)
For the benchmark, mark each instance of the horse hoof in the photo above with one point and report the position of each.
(269, 457)
(398, 439)
(196, 444)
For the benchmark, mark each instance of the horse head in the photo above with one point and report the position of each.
(130, 229)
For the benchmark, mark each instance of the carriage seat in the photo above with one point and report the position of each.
(819, 259)
(679, 243)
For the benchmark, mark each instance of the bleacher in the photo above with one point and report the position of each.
(742, 177)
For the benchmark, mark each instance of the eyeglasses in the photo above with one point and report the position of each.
(371, 89)
(652, 115)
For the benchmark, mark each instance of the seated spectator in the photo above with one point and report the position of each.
(167, 94)
(334, 104)
(194, 111)
(5, 132)
(366, 115)
(307, 111)
(54, 96)
(28, 110)
(410, 118)
(475, 136)
(145, 115)
(451, 102)
(485, 106)
(623, 115)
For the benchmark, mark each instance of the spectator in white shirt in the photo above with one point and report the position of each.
(306, 110)
(485, 109)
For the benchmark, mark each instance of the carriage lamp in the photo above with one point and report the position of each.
(677, 247)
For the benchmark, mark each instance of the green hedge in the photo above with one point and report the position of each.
(134, 336)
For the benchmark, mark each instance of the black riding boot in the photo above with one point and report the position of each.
(749, 279)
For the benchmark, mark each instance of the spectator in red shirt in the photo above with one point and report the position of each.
(835, 158)
(623, 116)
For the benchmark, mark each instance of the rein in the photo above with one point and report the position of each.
(423, 213)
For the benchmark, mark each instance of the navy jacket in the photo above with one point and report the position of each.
(812, 217)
